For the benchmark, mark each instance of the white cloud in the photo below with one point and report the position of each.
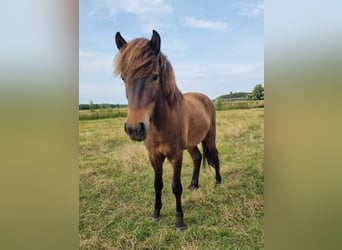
(251, 8)
(90, 62)
(141, 7)
(207, 24)
(148, 12)
(258, 10)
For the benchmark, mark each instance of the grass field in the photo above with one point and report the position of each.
(117, 193)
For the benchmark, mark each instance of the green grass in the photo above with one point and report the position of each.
(117, 194)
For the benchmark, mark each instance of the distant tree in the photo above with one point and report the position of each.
(218, 103)
(83, 106)
(250, 97)
(258, 92)
(234, 95)
(92, 106)
(102, 107)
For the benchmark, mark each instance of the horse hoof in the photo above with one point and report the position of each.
(192, 187)
(180, 228)
(155, 218)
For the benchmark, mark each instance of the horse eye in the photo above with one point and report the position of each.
(154, 77)
(123, 79)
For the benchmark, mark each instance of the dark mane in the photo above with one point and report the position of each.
(137, 59)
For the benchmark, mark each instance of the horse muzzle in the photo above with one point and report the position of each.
(137, 133)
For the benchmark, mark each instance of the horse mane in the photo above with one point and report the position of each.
(137, 59)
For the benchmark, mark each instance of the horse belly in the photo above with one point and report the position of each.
(199, 110)
(197, 127)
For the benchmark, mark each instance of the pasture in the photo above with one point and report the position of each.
(117, 193)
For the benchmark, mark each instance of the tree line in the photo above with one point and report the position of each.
(93, 106)
(256, 94)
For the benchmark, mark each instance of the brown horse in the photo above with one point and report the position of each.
(165, 119)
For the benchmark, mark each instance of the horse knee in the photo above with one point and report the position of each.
(177, 188)
(158, 185)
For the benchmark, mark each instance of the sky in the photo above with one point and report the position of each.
(215, 47)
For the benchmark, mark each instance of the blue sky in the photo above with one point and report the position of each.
(214, 46)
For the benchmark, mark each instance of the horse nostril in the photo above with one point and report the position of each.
(137, 133)
(141, 127)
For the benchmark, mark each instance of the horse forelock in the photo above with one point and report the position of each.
(137, 59)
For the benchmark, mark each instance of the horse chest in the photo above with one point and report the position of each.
(164, 142)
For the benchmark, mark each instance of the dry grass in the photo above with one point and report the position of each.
(117, 194)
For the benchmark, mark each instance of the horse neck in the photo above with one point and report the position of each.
(165, 109)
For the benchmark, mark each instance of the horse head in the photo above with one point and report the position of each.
(138, 64)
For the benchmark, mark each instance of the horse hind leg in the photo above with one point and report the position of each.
(196, 159)
(210, 152)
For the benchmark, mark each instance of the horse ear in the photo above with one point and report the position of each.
(155, 42)
(119, 40)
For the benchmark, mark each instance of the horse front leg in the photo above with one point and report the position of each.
(157, 164)
(177, 190)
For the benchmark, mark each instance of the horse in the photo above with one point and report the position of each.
(167, 121)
